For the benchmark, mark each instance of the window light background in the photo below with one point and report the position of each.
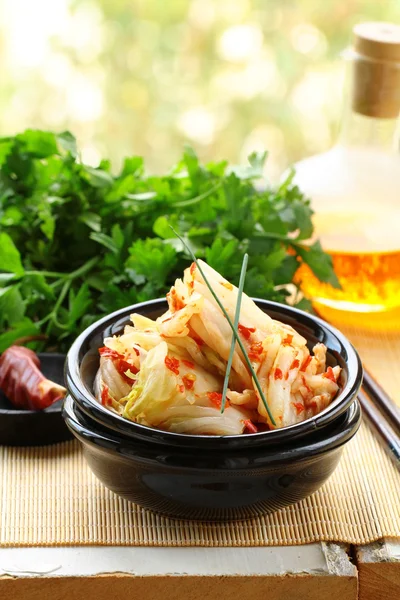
(147, 76)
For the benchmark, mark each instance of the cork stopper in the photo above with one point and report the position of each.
(376, 70)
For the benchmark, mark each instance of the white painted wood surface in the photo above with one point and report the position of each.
(387, 550)
(321, 559)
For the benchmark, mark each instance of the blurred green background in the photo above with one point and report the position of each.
(146, 76)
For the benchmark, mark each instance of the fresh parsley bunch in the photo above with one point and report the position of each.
(78, 242)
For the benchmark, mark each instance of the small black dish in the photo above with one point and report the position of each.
(230, 484)
(83, 361)
(35, 427)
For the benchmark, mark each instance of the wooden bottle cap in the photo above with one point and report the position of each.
(376, 75)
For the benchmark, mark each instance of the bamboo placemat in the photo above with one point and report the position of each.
(49, 497)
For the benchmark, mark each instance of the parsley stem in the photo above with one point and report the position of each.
(60, 300)
(198, 198)
(66, 279)
(87, 266)
(235, 324)
(269, 235)
(234, 331)
(46, 274)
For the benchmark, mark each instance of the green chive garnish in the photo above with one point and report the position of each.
(235, 324)
(234, 330)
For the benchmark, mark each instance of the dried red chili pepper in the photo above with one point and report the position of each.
(23, 383)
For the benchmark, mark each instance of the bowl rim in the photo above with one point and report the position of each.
(90, 405)
(338, 435)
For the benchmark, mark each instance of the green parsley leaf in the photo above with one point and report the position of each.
(319, 262)
(79, 304)
(10, 258)
(12, 306)
(78, 242)
(39, 144)
(153, 259)
(24, 328)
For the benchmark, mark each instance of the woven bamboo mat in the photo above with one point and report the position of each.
(49, 497)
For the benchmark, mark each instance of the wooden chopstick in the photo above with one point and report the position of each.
(388, 436)
(382, 400)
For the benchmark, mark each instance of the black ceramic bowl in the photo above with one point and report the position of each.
(83, 361)
(211, 477)
(228, 484)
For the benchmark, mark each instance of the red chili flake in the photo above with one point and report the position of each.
(288, 339)
(180, 388)
(105, 351)
(216, 399)
(305, 384)
(313, 404)
(176, 302)
(172, 364)
(295, 364)
(192, 268)
(122, 366)
(188, 380)
(191, 285)
(105, 396)
(330, 374)
(120, 363)
(278, 374)
(287, 375)
(299, 407)
(250, 426)
(198, 340)
(246, 331)
(255, 351)
(136, 351)
(306, 363)
(188, 363)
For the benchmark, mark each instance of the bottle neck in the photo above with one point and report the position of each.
(372, 104)
(358, 130)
